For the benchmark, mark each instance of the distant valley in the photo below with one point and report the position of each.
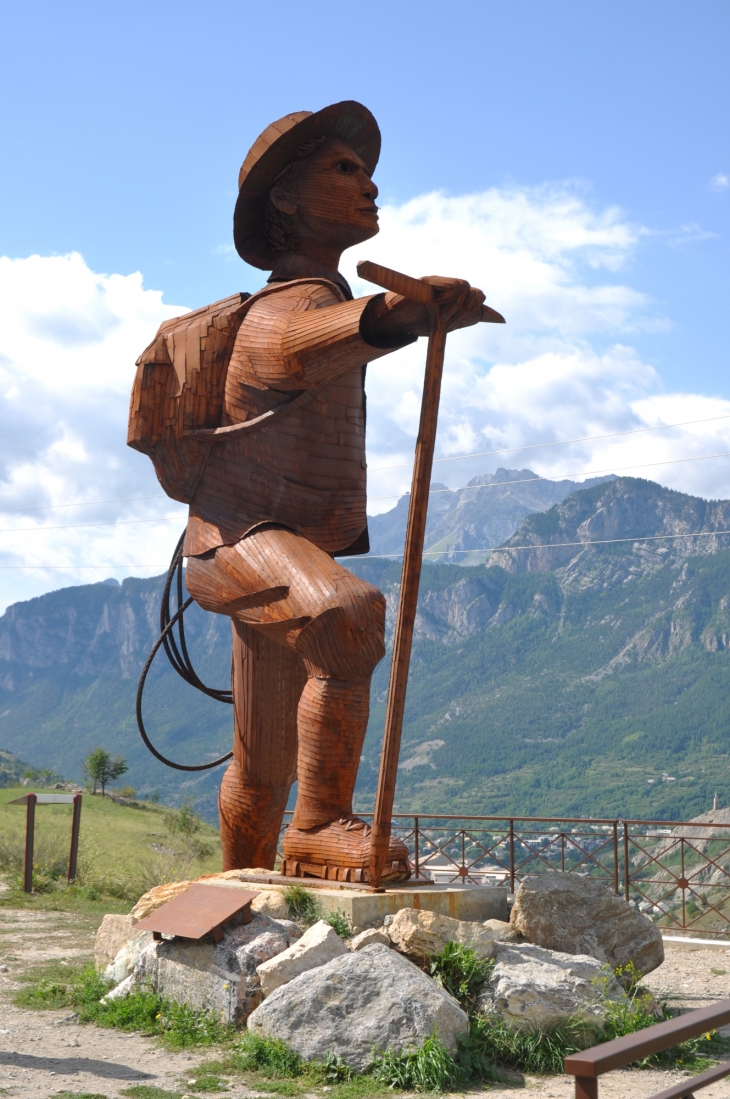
(576, 680)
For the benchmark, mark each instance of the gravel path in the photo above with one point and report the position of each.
(41, 1055)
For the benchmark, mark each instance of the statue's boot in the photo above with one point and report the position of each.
(250, 816)
(342, 845)
(325, 838)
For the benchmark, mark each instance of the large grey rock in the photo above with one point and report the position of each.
(580, 915)
(369, 1000)
(421, 934)
(319, 944)
(532, 987)
(219, 977)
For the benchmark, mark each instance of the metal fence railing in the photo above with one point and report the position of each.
(678, 873)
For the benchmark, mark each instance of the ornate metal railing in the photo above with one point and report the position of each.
(676, 872)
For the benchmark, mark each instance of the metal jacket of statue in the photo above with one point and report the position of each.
(202, 409)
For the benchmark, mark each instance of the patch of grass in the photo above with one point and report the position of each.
(496, 1042)
(461, 972)
(208, 1082)
(72, 1094)
(54, 985)
(149, 1091)
(270, 1066)
(124, 850)
(430, 1068)
(302, 904)
(177, 1025)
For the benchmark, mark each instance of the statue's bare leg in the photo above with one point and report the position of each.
(280, 585)
(268, 679)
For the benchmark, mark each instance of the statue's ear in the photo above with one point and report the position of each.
(281, 199)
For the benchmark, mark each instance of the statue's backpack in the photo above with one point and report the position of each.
(178, 390)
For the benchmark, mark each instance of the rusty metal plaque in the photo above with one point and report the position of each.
(200, 910)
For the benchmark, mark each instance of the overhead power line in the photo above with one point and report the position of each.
(84, 568)
(84, 503)
(551, 545)
(435, 553)
(565, 476)
(77, 526)
(561, 442)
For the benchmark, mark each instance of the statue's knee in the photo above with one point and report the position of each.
(346, 641)
(200, 581)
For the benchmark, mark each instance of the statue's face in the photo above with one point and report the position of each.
(335, 198)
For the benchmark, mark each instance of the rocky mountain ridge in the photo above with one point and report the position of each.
(486, 512)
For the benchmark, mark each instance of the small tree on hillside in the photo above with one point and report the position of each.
(100, 768)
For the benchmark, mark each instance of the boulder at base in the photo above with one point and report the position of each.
(156, 897)
(367, 938)
(319, 944)
(421, 934)
(114, 932)
(127, 956)
(219, 977)
(369, 1000)
(531, 987)
(580, 915)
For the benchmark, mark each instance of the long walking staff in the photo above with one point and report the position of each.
(416, 290)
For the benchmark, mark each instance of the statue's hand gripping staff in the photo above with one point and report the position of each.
(416, 290)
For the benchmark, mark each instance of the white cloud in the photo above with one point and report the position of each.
(720, 182)
(551, 263)
(68, 342)
(563, 367)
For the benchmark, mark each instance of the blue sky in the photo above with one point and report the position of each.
(123, 127)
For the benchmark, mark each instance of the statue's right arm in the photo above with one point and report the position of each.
(305, 336)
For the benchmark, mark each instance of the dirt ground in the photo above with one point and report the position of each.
(43, 1053)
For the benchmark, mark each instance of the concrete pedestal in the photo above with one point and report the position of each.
(363, 908)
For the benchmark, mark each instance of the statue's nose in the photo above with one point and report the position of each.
(370, 190)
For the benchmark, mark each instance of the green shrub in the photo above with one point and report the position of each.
(461, 972)
(430, 1068)
(302, 905)
(544, 1051)
(494, 1041)
(340, 923)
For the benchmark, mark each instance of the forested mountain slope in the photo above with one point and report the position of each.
(571, 680)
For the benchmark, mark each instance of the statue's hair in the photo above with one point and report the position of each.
(279, 229)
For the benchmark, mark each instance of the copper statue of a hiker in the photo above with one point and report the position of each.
(253, 412)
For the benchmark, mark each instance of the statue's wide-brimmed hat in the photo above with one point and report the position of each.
(275, 148)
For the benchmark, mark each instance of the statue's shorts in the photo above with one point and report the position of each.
(285, 588)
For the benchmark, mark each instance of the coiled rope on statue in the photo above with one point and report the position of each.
(177, 653)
